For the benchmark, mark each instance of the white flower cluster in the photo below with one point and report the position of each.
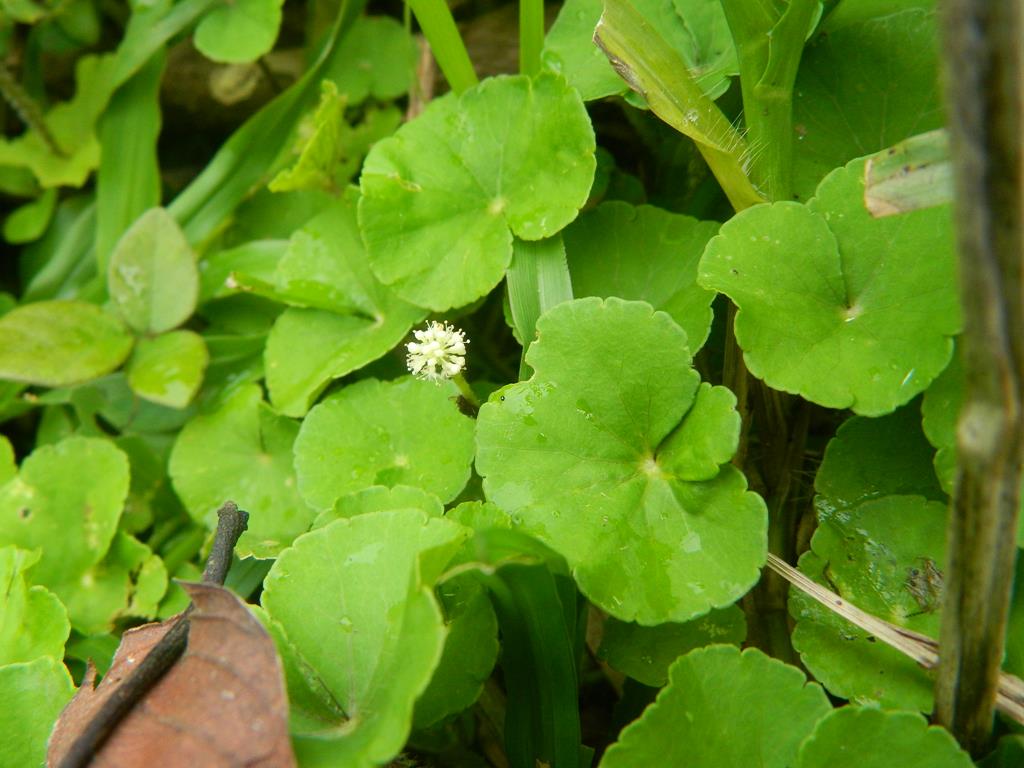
(438, 353)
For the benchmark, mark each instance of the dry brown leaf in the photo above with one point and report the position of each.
(221, 705)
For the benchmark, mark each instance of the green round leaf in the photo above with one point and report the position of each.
(643, 253)
(168, 369)
(870, 458)
(646, 653)
(66, 500)
(379, 634)
(33, 622)
(442, 198)
(243, 452)
(152, 277)
(723, 708)
(581, 456)
(862, 737)
(40, 688)
(863, 87)
(883, 556)
(846, 310)
(402, 432)
(239, 30)
(58, 343)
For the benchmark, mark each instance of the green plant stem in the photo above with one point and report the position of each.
(438, 25)
(531, 35)
(769, 47)
(465, 390)
(983, 85)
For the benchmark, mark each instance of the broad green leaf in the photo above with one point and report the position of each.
(884, 556)
(442, 198)
(377, 58)
(646, 653)
(863, 87)
(380, 498)
(581, 457)
(128, 583)
(863, 737)
(66, 501)
(219, 271)
(309, 347)
(72, 125)
(470, 651)
(33, 622)
(479, 515)
(242, 451)
(843, 309)
(239, 31)
(168, 369)
(402, 432)
(152, 277)
(707, 438)
(871, 458)
(696, 29)
(723, 708)
(28, 222)
(1008, 754)
(40, 690)
(643, 253)
(382, 633)
(57, 343)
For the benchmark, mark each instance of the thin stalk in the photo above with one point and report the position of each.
(531, 35)
(983, 89)
(438, 25)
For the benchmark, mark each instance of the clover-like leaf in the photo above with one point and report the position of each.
(402, 432)
(380, 634)
(722, 707)
(864, 737)
(643, 253)
(871, 458)
(243, 452)
(57, 343)
(66, 501)
(581, 457)
(349, 318)
(40, 688)
(239, 31)
(844, 309)
(152, 276)
(168, 369)
(442, 198)
(863, 86)
(646, 653)
(33, 622)
(884, 556)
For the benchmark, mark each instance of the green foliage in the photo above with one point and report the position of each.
(503, 566)
(770, 707)
(846, 310)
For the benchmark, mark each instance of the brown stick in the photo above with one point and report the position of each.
(231, 524)
(983, 57)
